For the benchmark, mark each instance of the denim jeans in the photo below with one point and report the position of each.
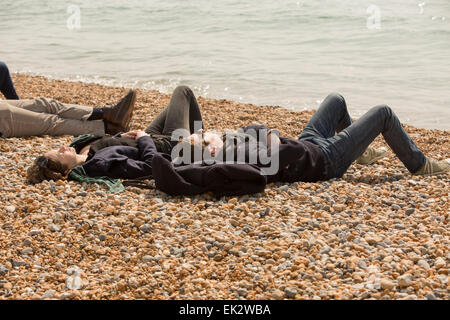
(352, 139)
(6, 84)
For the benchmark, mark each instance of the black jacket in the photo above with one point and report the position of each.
(125, 162)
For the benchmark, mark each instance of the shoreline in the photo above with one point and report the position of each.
(376, 233)
(128, 84)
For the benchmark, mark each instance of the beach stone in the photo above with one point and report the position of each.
(386, 284)
(10, 209)
(147, 258)
(49, 294)
(424, 264)
(3, 269)
(285, 254)
(35, 232)
(55, 228)
(26, 251)
(290, 292)
(242, 292)
(74, 282)
(265, 212)
(439, 263)
(409, 211)
(431, 296)
(404, 281)
(145, 227)
(339, 207)
(277, 294)
(18, 263)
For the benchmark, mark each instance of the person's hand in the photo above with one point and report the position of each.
(129, 134)
(140, 133)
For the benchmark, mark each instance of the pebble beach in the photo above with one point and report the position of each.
(376, 233)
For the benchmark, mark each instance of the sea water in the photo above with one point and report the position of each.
(265, 52)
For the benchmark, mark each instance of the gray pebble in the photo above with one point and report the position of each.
(147, 258)
(145, 227)
(242, 292)
(18, 263)
(35, 232)
(3, 270)
(26, 251)
(48, 294)
(290, 292)
(55, 228)
(431, 296)
(126, 257)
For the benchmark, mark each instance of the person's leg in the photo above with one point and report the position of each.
(6, 84)
(331, 117)
(50, 106)
(351, 142)
(19, 122)
(181, 113)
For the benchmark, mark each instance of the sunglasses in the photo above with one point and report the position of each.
(41, 161)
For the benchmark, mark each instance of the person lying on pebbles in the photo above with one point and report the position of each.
(124, 155)
(6, 84)
(331, 142)
(42, 116)
(318, 154)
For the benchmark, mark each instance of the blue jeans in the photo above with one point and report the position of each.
(6, 84)
(352, 139)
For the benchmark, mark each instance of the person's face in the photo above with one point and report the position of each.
(67, 156)
(211, 141)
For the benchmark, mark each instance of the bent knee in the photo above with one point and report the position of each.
(184, 89)
(384, 108)
(336, 96)
(3, 67)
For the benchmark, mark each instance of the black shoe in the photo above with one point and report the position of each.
(121, 113)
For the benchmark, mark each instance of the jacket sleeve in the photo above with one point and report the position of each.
(141, 167)
(119, 164)
(221, 179)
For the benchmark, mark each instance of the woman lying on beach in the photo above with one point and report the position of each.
(127, 155)
(35, 117)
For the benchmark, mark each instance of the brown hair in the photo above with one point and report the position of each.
(45, 168)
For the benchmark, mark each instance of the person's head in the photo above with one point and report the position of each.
(208, 140)
(200, 142)
(53, 165)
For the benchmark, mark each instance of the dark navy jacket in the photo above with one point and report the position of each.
(123, 162)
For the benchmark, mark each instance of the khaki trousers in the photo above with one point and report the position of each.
(36, 117)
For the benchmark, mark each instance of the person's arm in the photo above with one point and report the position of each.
(115, 161)
(141, 167)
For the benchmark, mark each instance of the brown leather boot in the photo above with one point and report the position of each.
(121, 113)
